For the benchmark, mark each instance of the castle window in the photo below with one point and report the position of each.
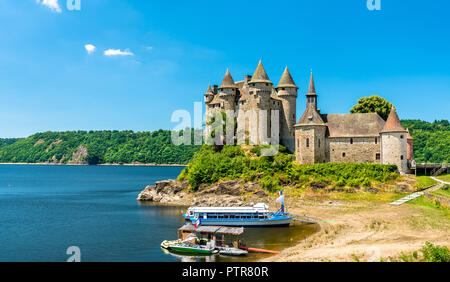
(298, 143)
(377, 156)
(343, 155)
(282, 88)
(401, 136)
(319, 142)
(307, 142)
(376, 140)
(401, 157)
(351, 140)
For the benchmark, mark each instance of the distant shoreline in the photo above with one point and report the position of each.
(107, 164)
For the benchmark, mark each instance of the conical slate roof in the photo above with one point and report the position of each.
(393, 123)
(227, 81)
(260, 74)
(286, 80)
(209, 91)
(312, 88)
(310, 117)
(408, 136)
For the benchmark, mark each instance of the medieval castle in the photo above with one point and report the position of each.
(316, 137)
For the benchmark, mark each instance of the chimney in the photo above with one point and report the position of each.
(248, 78)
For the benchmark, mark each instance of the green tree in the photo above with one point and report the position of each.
(373, 104)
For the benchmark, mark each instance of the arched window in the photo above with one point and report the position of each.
(307, 142)
(351, 140)
(319, 142)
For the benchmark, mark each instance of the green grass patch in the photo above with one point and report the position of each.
(444, 191)
(444, 177)
(434, 215)
(424, 181)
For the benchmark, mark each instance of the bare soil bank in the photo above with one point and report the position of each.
(351, 229)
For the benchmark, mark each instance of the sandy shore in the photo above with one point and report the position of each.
(365, 231)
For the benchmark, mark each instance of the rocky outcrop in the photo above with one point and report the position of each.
(227, 193)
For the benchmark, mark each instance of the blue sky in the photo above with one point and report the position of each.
(48, 80)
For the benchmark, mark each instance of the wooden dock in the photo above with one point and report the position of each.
(305, 219)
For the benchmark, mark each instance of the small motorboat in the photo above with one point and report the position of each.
(227, 251)
(193, 249)
(166, 244)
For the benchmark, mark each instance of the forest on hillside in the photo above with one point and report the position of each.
(431, 144)
(97, 147)
(431, 140)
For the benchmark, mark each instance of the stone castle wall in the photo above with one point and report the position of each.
(363, 150)
(310, 144)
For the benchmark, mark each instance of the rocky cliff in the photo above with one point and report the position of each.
(233, 192)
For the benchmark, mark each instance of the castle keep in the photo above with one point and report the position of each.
(316, 137)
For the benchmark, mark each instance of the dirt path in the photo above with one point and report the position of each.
(438, 180)
(366, 232)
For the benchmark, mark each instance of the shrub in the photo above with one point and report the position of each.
(434, 253)
(209, 167)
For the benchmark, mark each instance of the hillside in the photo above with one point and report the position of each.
(432, 144)
(97, 147)
(431, 140)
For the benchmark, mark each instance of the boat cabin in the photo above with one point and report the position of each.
(258, 211)
(223, 236)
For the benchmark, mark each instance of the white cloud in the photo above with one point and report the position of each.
(118, 52)
(150, 48)
(52, 4)
(89, 48)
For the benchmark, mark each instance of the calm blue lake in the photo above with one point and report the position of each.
(46, 209)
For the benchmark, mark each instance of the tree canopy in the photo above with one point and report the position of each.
(373, 104)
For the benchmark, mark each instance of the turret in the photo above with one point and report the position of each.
(409, 146)
(260, 80)
(209, 95)
(311, 96)
(260, 89)
(394, 143)
(287, 93)
(227, 92)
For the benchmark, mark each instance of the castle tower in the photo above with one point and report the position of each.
(209, 95)
(287, 93)
(409, 146)
(310, 141)
(260, 89)
(394, 143)
(227, 92)
(311, 96)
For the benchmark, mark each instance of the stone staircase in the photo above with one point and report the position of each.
(439, 170)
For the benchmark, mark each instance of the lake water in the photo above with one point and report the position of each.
(44, 210)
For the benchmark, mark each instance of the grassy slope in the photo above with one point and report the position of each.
(425, 181)
(232, 162)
